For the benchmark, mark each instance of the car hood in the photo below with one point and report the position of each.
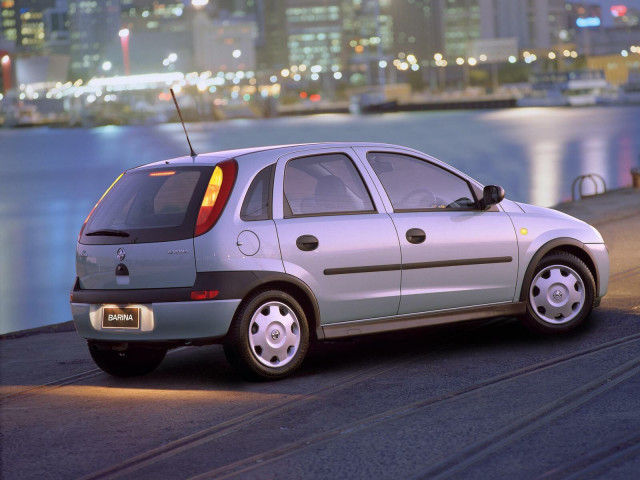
(544, 211)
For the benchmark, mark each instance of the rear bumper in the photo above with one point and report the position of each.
(161, 321)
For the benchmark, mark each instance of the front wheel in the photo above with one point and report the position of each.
(126, 360)
(269, 336)
(561, 294)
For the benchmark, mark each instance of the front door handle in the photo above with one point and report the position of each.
(416, 235)
(307, 243)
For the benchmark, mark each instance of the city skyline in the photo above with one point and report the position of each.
(355, 42)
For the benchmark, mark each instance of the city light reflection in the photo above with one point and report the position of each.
(545, 165)
(594, 160)
(140, 396)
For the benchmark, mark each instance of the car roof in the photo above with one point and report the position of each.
(211, 158)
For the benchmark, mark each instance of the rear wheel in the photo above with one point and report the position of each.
(269, 336)
(561, 294)
(126, 360)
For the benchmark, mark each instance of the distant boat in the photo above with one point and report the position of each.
(577, 88)
(371, 102)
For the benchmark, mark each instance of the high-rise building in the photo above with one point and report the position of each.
(314, 32)
(223, 45)
(149, 15)
(537, 25)
(8, 25)
(93, 26)
(271, 41)
(368, 37)
(22, 24)
(418, 26)
(461, 26)
(56, 28)
(603, 27)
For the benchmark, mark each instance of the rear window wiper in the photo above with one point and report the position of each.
(108, 233)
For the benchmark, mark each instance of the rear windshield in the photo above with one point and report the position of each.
(149, 206)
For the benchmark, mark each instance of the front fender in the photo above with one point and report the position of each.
(536, 253)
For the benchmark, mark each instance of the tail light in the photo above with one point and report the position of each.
(98, 203)
(216, 196)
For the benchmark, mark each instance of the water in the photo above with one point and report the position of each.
(50, 179)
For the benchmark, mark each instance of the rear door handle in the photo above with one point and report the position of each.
(416, 235)
(307, 243)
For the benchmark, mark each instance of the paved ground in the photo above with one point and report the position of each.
(482, 400)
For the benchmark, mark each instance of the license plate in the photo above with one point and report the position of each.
(121, 317)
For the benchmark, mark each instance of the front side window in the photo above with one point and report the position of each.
(415, 184)
(324, 185)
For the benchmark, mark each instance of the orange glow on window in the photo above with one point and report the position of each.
(162, 174)
(103, 195)
(98, 203)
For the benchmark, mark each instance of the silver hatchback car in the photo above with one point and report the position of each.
(266, 249)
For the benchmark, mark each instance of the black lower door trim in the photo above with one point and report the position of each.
(457, 263)
(416, 266)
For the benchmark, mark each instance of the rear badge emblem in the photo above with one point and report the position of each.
(120, 254)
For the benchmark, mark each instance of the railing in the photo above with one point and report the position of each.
(597, 181)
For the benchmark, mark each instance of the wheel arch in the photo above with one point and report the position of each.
(296, 288)
(563, 244)
(242, 284)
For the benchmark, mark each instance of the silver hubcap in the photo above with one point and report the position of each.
(557, 294)
(274, 334)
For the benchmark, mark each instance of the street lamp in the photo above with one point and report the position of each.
(124, 42)
(170, 61)
(441, 62)
(6, 72)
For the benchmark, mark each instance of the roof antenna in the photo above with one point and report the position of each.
(193, 153)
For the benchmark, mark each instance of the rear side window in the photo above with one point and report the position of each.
(324, 185)
(257, 201)
(149, 206)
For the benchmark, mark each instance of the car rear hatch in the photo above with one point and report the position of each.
(140, 234)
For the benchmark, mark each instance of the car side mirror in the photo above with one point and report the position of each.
(491, 195)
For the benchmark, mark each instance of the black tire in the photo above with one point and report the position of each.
(561, 294)
(132, 361)
(268, 337)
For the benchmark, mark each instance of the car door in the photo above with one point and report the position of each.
(335, 235)
(453, 254)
